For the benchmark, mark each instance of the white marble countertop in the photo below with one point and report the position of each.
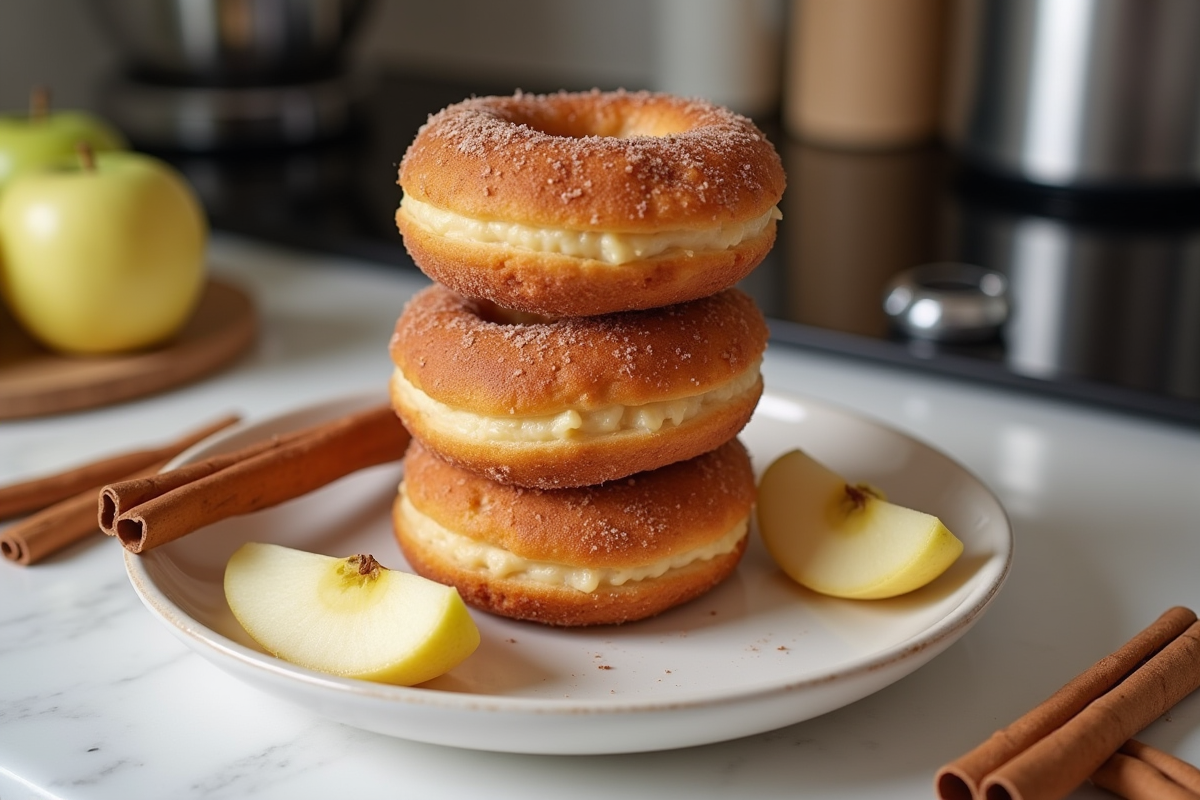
(98, 700)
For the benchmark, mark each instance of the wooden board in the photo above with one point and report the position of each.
(36, 382)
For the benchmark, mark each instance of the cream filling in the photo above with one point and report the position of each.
(470, 554)
(570, 424)
(610, 248)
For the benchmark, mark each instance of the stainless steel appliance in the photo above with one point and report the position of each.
(1092, 94)
(203, 75)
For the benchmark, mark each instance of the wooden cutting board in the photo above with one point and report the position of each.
(36, 382)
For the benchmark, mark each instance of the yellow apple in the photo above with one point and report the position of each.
(845, 539)
(348, 616)
(44, 137)
(102, 256)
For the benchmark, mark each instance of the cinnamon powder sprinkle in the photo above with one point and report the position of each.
(601, 156)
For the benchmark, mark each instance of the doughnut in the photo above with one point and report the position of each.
(574, 204)
(579, 400)
(585, 556)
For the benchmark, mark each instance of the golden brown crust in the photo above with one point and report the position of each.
(627, 523)
(583, 462)
(594, 161)
(566, 607)
(552, 283)
(448, 347)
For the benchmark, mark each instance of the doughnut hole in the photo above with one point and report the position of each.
(488, 311)
(609, 120)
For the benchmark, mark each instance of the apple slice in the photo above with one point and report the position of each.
(348, 616)
(846, 540)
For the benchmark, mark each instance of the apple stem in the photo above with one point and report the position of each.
(39, 103)
(87, 157)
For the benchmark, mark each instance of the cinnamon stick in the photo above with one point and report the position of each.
(117, 498)
(49, 530)
(1176, 769)
(1140, 772)
(962, 778)
(38, 493)
(1054, 766)
(272, 476)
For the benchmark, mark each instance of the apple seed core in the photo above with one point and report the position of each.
(366, 565)
(858, 494)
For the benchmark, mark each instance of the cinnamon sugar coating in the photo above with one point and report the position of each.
(627, 523)
(459, 351)
(703, 355)
(594, 161)
(587, 163)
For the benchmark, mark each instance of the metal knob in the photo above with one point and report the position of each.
(948, 302)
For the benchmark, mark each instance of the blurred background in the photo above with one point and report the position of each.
(1053, 145)
(63, 43)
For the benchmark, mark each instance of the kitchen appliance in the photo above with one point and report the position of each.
(1105, 296)
(1091, 94)
(204, 75)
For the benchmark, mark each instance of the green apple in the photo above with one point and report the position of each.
(845, 539)
(43, 137)
(348, 616)
(104, 256)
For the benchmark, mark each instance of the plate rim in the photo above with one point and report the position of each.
(940, 634)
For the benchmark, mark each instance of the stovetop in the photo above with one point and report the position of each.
(1105, 290)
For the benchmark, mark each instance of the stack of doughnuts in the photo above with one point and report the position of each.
(576, 377)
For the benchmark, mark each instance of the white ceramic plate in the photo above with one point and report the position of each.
(755, 654)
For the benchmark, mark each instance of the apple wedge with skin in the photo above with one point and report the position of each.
(348, 616)
(847, 540)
